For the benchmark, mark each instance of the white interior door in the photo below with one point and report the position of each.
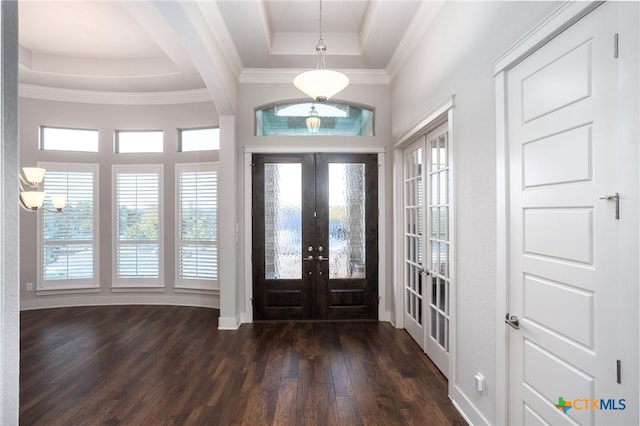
(566, 279)
(438, 247)
(414, 241)
(427, 244)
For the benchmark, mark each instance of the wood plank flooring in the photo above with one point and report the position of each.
(169, 365)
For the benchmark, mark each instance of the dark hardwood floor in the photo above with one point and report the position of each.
(168, 365)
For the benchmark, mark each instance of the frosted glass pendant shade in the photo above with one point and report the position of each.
(32, 199)
(33, 175)
(321, 84)
(58, 201)
(313, 121)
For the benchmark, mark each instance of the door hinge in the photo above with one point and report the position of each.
(615, 45)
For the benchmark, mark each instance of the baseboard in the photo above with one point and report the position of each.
(466, 408)
(68, 301)
(228, 323)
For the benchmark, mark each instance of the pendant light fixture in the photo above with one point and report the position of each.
(313, 120)
(321, 83)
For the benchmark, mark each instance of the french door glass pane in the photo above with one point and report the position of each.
(346, 220)
(283, 220)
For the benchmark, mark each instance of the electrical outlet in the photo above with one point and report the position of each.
(29, 286)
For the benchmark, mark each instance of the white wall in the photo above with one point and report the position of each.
(454, 57)
(107, 118)
(371, 95)
(9, 238)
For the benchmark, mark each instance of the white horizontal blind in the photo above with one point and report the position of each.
(68, 238)
(197, 236)
(138, 224)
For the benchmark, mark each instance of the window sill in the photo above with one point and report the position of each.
(137, 289)
(66, 290)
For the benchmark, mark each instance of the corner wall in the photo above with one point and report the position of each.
(454, 57)
(9, 237)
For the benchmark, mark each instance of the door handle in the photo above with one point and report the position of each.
(308, 258)
(616, 198)
(321, 258)
(512, 321)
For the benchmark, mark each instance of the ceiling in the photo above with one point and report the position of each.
(158, 45)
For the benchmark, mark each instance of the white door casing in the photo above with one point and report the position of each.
(565, 279)
(439, 247)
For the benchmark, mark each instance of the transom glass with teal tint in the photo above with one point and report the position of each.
(336, 119)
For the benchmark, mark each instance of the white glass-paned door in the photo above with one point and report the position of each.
(427, 244)
(437, 342)
(414, 239)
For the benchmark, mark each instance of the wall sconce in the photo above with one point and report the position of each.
(32, 198)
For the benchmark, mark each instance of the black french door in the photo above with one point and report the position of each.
(315, 236)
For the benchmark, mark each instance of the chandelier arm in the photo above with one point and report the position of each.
(23, 181)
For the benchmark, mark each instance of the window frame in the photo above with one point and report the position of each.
(195, 283)
(180, 138)
(41, 139)
(128, 283)
(71, 285)
(116, 141)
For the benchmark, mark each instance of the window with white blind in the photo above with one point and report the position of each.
(138, 226)
(196, 226)
(68, 240)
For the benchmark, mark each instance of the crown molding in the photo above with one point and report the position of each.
(286, 76)
(418, 26)
(113, 98)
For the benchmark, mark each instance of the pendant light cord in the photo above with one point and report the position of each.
(320, 47)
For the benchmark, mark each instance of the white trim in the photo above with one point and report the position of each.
(563, 17)
(430, 119)
(67, 290)
(453, 283)
(137, 288)
(398, 232)
(286, 76)
(114, 98)
(228, 323)
(279, 149)
(421, 21)
(248, 241)
(471, 413)
(383, 252)
(120, 299)
(502, 232)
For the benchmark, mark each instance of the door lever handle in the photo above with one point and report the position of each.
(616, 198)
(321, 257)
(512, 321)
(308, 258)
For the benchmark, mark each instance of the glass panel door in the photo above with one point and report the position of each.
(315, 252)
(427, 244)
(414, 177)
(437, 342)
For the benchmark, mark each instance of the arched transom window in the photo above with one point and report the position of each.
(313, 118)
